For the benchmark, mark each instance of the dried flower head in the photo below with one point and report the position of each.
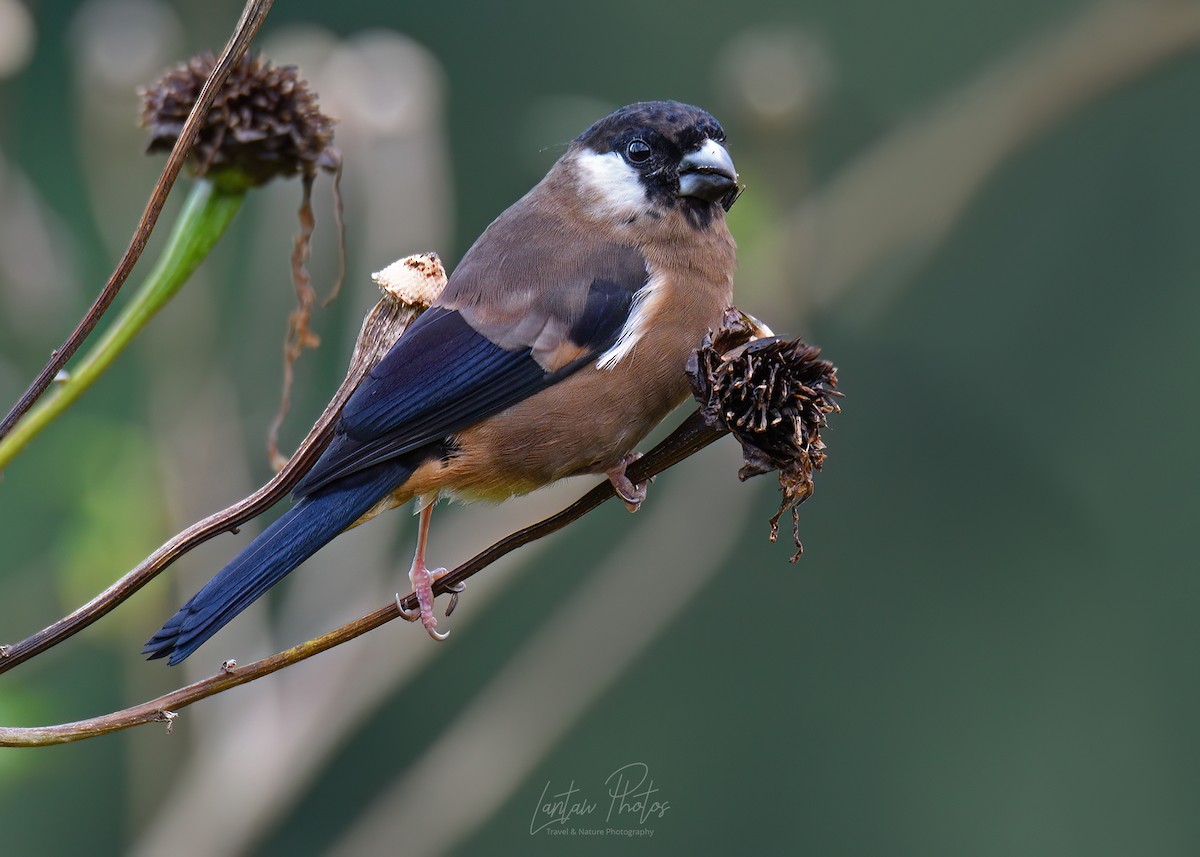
(774, 395)
(264, 123)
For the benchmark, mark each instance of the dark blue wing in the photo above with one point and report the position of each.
(430, 377)
(443, 375)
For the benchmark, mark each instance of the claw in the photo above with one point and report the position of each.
(631, 495)
(423, 579)
(454, 591)
(406, 614)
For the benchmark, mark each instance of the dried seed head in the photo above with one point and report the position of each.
(774, 395)
(417, 279)
(264, 123)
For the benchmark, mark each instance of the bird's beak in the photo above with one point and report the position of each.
(708, 173)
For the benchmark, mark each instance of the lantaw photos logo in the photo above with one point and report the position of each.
(629, 805)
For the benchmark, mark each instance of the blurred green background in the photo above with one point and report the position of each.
(984, 213)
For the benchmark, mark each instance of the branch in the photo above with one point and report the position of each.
(404, 298)
(690, 437)
(253, 15)
(771, 394)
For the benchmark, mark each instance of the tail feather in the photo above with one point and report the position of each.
(298, 534)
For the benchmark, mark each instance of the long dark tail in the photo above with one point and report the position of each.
(302, 531)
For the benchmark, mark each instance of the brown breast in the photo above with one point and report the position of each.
(588, 421)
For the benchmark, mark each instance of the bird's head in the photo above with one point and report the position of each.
(655, 157)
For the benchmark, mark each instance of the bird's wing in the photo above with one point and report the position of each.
(498, 336)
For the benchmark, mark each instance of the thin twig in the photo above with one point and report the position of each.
(519, 713)
(690, 437)
(252, 18)
(227, 520)
(204, 218)
(382, 326)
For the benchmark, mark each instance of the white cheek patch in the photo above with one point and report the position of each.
(611, 185)
(645, 307)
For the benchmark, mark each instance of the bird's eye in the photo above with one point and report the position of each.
(638, 151)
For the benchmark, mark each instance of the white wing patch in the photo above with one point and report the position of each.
(612, 186)
(645, 305)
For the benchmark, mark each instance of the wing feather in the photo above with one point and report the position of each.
(456, 366)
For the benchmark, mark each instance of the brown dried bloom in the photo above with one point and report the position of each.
(264, 123)
(774, 395)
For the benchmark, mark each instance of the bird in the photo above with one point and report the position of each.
(558, 343)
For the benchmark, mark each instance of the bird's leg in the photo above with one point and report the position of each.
(632, 495)
(423, 579)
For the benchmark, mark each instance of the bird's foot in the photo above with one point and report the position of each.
(631, 495)
(422, 582)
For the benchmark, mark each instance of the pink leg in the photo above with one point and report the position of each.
(422, 581)
(632, 495)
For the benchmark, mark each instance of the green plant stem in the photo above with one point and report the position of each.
(206, 215)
